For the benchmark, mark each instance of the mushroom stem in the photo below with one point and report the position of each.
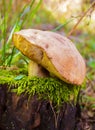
(35, 69)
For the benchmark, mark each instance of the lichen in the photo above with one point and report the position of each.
(47, 88)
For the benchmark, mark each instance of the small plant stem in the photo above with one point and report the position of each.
(84, 14)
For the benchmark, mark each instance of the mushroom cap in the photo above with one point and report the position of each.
(54, 52)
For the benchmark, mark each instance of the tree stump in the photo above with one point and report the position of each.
(21, 113)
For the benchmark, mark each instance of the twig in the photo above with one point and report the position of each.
(84, 14)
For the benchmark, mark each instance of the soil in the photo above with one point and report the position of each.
(21, 113)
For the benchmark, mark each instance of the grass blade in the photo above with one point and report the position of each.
(62, 25)
(4, 32)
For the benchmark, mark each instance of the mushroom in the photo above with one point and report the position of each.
(54, 52)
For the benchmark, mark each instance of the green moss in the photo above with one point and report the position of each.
(49, 88)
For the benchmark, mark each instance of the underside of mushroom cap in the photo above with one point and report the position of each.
(54, 52)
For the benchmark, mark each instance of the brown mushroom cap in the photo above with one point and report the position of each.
(54, 52)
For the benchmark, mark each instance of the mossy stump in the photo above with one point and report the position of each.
(36, 103)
